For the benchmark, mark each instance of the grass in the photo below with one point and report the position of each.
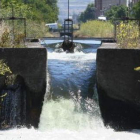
(96, 29)
(37, 30)
(14, 38)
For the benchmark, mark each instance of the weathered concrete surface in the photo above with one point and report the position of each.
(30, 64)
(118, 86)
(33, 45)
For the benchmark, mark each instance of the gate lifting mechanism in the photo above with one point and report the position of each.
(67, 33)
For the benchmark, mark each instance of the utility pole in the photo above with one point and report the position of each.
(129, 6)
(68, 15)
(68, 9)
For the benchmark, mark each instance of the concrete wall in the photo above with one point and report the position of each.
(118, 86)
(30, 65)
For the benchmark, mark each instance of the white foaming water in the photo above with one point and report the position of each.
(64, 114)
(61, 120)
(72, 57)
(99, 133)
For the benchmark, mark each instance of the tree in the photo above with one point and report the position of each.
(88, 14)
(136, 10)
(116, 12)
(44, 10)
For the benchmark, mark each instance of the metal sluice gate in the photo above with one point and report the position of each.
(67, 35)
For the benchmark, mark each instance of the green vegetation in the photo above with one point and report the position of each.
(6, 71)
(10, 40)
(136, 10)
(4, 68)
(116, 12)
(37, 30)
(44, 10)
(2, 98)
(88, 14)
(37, 14)
(96, 29)
(137, 69)
(128, 35)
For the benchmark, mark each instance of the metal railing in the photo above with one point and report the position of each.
(13, 18)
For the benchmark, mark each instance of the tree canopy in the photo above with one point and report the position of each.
(116, 12)
(88, 14)
(39, 10)
(136, 10)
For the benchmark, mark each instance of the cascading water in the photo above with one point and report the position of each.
(68, 111)
(13, 107)
(70, 80)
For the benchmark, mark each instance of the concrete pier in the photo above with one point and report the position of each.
(29, 65)
(118, 86)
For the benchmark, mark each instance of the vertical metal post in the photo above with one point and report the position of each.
(139, 29)
(115, 31)
(0, 4)
(24, 30)
(129, 7)
(68, 9)
(64, 30)
(13, 23)
(72, 31)
(68, 15)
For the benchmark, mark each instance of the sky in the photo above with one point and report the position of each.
(76, 7)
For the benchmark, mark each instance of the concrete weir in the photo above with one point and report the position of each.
(24, 96)
(118, 86)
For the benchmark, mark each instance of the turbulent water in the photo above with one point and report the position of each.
(65, 114)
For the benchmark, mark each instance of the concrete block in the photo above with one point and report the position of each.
(118, 86)
(29, 66)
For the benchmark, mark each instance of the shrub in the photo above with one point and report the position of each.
(10, 40)
(128, 35)
(37, 30)
(96, 28)
(4, 68)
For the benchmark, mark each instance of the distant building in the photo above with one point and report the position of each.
(135, 1)
(98, 6)
(103, 5)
